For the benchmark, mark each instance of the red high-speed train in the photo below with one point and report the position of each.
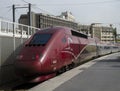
(54, 50)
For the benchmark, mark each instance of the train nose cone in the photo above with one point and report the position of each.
(27, 68)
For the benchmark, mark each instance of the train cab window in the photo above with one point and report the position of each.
(40, 39)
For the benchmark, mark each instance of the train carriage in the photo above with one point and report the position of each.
(56, 49)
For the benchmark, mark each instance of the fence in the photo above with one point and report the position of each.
(15, 29)
(13, 35)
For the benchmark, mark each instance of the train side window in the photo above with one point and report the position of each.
(78, 34)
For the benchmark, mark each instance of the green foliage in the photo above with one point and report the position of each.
(115, 34)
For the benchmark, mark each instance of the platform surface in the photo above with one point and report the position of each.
(102, 74)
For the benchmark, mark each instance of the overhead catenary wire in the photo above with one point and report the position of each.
(25, 1)
(36, 7)
(79, 4)
(6, 13)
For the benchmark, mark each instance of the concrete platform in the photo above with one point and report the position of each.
(102, 74)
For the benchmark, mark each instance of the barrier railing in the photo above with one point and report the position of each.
(8, 28)
(12, 36)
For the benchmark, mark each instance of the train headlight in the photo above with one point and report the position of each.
(37, 57)
(19, 57)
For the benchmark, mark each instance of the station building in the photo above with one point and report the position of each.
(118, 38)
(104, 33)
(41, 20)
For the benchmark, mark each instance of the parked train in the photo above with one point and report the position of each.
(54, 50)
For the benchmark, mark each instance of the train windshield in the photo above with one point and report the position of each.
(40, 39)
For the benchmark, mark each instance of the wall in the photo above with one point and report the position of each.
(12, 37)
(7, 58)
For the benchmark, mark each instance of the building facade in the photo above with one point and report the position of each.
(104, 33)
(118, 38)
(84, 29)
(68, 16)
(40, 20)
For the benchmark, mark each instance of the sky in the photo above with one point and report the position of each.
(85, 11)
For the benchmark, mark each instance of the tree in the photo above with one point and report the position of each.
(115, 34)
